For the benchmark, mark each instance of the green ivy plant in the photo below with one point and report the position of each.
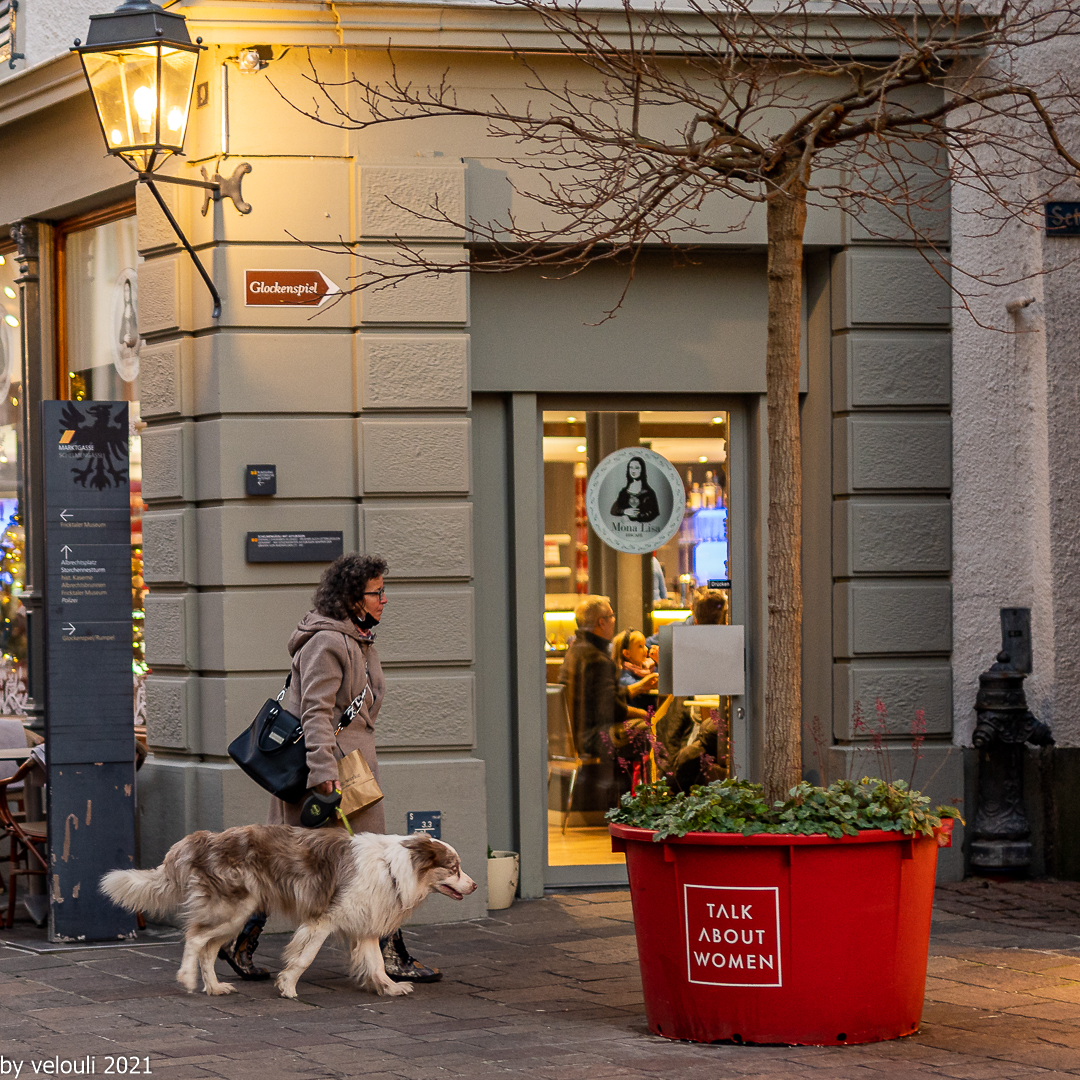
(844, 808)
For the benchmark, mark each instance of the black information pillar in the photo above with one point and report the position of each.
(89, 718)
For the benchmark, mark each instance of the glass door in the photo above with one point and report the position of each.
(608, 728)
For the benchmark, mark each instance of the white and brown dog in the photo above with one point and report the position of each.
(361, 887)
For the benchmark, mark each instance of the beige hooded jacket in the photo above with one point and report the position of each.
(328, 673)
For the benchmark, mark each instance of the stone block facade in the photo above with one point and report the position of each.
(362, 406)
(892, 517)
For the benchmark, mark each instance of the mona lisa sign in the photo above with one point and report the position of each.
(635, 500)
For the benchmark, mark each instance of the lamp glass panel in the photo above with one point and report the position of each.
(124, 85)
(177, 81)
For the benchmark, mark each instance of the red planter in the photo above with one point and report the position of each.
(781, 939)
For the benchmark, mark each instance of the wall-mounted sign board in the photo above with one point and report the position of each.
(1062, 218)
(293, 546)
(260, 479)
(429, 821)
(287, 288)
(89, 705)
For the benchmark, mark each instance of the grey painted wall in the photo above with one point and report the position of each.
(687, 326)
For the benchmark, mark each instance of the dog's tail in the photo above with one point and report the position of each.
(154, 892)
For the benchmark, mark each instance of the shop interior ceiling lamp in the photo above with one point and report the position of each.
(140, 63)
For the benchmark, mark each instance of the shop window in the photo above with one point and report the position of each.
(590, 765)
(12, 538)
(98, 346)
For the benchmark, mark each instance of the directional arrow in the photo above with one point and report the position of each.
(69, 628)
(287, 288)
(64, 515)
(65, 551)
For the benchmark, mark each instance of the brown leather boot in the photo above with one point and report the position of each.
(239, 954)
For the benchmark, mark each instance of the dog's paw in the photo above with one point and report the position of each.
(285, 989)
(393, 989)
(188, 982)
(219, 989)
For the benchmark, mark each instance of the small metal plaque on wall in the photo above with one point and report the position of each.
(260, 479)
(294, 546)
(429, 821)
(1062, 218)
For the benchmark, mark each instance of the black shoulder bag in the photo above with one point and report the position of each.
(272, 749)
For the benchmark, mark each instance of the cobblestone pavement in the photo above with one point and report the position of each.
(548, 989)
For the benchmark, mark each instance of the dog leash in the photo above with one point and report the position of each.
(345, 822)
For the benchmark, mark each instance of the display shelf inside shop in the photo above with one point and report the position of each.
(664, 616)
(559, 628)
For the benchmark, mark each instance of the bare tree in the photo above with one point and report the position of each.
(800, 103)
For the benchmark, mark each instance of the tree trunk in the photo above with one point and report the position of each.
(786, 221)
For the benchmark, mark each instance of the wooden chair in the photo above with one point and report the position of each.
(563, 756)
(27, 838)
(13, 736)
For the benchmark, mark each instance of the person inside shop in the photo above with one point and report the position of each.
(637, 670)
(691, 748)
(602, 719)
(637, 501)
(707, 609)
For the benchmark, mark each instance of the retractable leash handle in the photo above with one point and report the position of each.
(319, 810)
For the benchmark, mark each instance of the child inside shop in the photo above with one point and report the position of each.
(637, 669)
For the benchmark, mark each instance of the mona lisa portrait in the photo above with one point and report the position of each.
(637, 501)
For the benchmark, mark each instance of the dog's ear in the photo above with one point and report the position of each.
(427, 854)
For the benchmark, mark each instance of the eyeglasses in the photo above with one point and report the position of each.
(381, 594)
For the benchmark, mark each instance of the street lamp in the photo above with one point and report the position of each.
(140, 62)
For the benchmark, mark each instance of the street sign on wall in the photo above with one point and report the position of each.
(89, 717)
(287, 288)
(1062, 218)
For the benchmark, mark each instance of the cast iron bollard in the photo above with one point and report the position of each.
(1004, 725)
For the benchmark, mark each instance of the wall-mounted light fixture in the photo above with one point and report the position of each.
(140, 62)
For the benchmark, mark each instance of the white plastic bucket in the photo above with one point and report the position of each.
(502, 878)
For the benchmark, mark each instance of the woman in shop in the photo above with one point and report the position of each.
(637, 671)
(637, 501)
(334, 665)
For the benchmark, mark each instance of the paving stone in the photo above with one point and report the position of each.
(547, 989)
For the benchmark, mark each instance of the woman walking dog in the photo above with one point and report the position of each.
(334, 664)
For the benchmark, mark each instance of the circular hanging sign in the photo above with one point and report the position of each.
(635, 500)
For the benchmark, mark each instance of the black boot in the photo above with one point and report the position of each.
(238, 955)
(400, 966)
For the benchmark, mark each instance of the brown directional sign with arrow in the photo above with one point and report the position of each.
(287, 288)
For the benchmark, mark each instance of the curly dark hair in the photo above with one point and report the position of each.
(343, 582)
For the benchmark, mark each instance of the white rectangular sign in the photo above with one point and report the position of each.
(732, 935)
(702, 660)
